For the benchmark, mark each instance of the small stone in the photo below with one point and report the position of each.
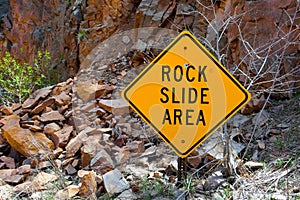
(136, 147)
(261, 144)
(24, 169)
(8, 161)
(44, 165)
(114, 182)
(15, 178)
(68, 193)
(254, 165)
(194, 159)
(35, 128)
(70, 169)
(62, 99)
(75, 143)
(275, 131)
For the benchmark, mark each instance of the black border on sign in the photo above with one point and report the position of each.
(216, 63)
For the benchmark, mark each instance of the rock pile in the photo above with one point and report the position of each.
(79, 136)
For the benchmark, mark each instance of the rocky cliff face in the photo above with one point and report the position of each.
(255, 39)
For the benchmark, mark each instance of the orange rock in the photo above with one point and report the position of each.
(61, 137)
(23, 140)
(38, 109)
(88, 184)
(88, 91)
(51, 128)
(52, 116)
(75, 143)
(6, 110)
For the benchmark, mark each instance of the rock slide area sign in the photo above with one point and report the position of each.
(185, 94)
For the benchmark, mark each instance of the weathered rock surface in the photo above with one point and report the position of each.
(114, 182)
(71, 30)
(23, 140)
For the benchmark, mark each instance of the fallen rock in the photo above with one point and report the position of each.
(36, 96)
(89, 91)
(75, 143)
(52, 116)
(137, 147)
(37, 184)
(254, 165)
(51, 128)
(62, 99)
(114, 182)
(88, 184)
(102, 162)
(6, 110)
(115, 106)
(194, 159)
(68, 193)
(38, 109)
(23, 140)
(88, 151)
(61, 137)
(8, 161)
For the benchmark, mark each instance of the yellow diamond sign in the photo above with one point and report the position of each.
(185, 94)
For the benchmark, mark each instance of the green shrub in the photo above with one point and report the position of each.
(19, 79)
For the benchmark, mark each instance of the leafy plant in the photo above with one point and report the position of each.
(18, 79)
(81, 35)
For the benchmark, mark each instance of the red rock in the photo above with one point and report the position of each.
(6, 110)
(136, 147)
(6, 173)
(23, 140)
(15, 179)
(102, 162)
(121, 140)
(70, 169)
(62, 99)
(24, 169)
(52, 116)
(88, 106)
(35, 128)
(8, 161)
(44, 165)
(61, 137)
(194, 159)
(115, 106)
(88, 185)
(38, 109)
(89, 150)
(37, 184)
(36, 96)
(275, 131)
(75, 143)
(51, 128)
